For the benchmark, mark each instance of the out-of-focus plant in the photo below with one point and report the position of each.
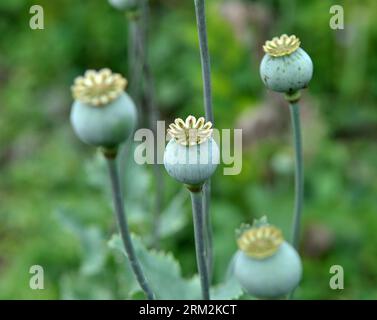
(266, 266)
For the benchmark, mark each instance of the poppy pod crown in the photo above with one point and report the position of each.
(282, 46)
(98, 88)
(260, 242)
(190, 132)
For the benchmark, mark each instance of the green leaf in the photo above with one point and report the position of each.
(92, 242)
(229, 290)
(164, 275)
(173, 218)
(77, 287)
(163, 272)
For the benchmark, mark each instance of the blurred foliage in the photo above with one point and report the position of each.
(55, 208)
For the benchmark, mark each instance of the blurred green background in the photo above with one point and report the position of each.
(55, 208)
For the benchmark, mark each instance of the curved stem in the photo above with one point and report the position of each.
(207, 89)
(199, 230)
(123, 228)
(299, 174)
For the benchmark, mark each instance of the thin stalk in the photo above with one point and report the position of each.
(143, 90)
(208, 227)
(134, 58)
(207, 90)
(199, 230)
(134, 87)
(123, 227)
(299, 173)
(153, 115)
(204, 56)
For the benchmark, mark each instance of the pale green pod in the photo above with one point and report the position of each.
(106, 126)
(191, 165)
(285, 67)
(124, 4)
(103, 115)
(266, 266)
(287, 74)
(272, 277)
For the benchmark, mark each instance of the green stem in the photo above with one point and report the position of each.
(207, 89)
(199, 230)
(153, 115)
(145, 94)
(123, 227)
(134, 88)
(299, 170)
(208, 227)
(134, 59)
(299, 176)
(204, 56)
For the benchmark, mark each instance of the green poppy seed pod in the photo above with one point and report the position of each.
(124, 4)
(285, 67)
(102, 114)
(192, 156)
(266, 266)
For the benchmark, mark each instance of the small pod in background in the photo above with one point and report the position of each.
(266, 266)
